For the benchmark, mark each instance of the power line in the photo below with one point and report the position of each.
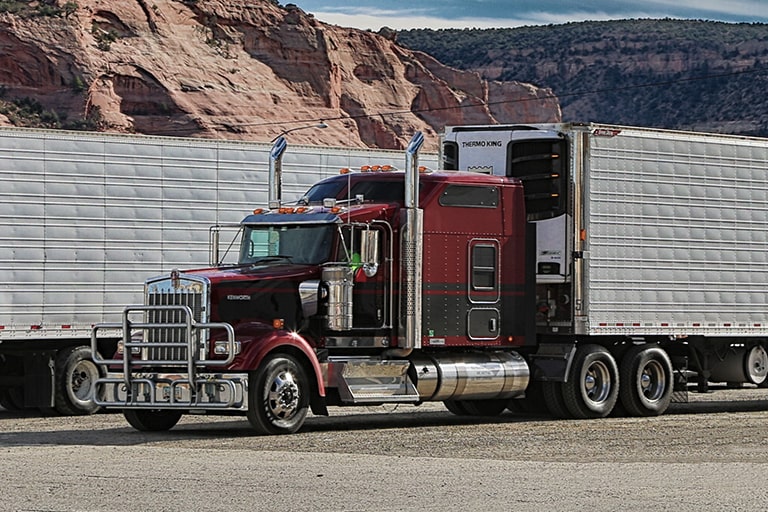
(664, 83)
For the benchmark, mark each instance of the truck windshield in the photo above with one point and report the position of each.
(305, 244)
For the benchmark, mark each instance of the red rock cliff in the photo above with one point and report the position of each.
(239, 70)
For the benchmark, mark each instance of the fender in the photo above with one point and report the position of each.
(256, 348)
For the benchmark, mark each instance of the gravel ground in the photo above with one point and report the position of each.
(710, 454)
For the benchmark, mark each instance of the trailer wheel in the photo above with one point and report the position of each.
(592, 387)
(553, 399)
(647, 381)
(75, 379)
(152, 420)
(278, 396)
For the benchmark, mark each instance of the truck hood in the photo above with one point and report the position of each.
(258, 293)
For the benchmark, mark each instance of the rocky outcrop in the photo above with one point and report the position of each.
(239, 70)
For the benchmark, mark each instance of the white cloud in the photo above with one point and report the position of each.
(375, 18)
(391, 19)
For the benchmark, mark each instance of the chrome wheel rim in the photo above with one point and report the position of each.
(597, 382)
(282, 394)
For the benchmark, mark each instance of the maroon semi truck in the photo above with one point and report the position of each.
(378, 287)
(575, 268)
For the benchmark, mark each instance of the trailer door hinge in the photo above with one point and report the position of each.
(577, 255)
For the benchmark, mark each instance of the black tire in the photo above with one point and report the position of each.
(75, 378)
(152, 420)
(553, 398)
(11, 399)
(532, 402)
(489, 408)
(456, 407)
(592, 388)
(278, 396)
(647, 381)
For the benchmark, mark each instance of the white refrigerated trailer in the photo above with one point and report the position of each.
(651, 256)
(85, 217)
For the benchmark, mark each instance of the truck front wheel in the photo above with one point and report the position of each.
(152, 420)
(76, 375)
(646, 381)
(592, 387)
(278, 396)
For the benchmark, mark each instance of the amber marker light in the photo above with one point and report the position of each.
(278, 323)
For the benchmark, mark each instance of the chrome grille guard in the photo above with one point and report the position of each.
(173, 372)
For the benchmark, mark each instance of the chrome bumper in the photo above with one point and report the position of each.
(210, 391)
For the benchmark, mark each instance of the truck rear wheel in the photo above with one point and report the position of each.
(553, 399)
(278, 396)
(532, 403)
(76, 375)
(11, 399)
(646, 381)
(456, 407)
(152, 420)
(492, 407)
(592, 387)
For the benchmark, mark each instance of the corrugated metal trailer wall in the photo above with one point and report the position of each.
(85, 218)
(677, 229)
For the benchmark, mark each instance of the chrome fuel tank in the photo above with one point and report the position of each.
(472, 375)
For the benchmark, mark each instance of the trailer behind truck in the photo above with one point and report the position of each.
(655, 250)
(85, 217)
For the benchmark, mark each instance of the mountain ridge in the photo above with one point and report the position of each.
(678, 74)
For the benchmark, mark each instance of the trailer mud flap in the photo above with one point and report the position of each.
(552, 361)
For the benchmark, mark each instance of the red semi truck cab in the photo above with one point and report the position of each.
(377, 287)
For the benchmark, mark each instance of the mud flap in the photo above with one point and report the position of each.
(552, 361)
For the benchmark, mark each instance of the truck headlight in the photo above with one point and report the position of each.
(221, 347)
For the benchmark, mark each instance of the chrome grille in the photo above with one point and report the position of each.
(173, 332)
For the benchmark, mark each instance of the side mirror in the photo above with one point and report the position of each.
(369, 251)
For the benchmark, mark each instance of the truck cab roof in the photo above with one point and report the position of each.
(388, 187)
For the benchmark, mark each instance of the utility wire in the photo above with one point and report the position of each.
(664, 83)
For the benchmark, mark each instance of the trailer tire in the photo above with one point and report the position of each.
(278, 396)
(553, 399)
(152, 420)
(592, 388)
(646, 380)
(75, 379)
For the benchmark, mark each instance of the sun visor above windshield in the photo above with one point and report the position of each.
(274, 217)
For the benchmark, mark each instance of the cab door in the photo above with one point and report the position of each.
(484, 291)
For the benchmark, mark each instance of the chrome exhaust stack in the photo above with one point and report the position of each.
(276, 172)
(411, 249)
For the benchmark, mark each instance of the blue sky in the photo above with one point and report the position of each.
(404, 14)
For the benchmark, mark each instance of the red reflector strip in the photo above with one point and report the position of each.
(65, 326)
(35, 327)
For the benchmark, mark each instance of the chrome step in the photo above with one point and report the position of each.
(373, 381)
